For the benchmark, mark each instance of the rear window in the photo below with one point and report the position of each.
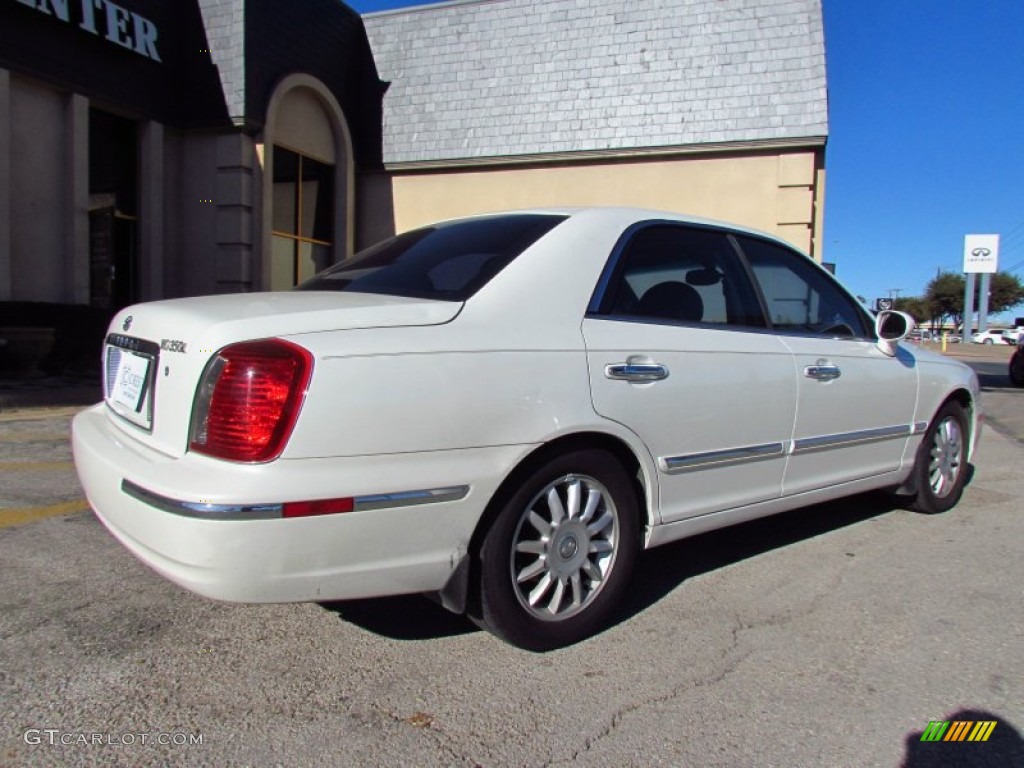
(449, 261)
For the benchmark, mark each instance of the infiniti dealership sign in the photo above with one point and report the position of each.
(106, 19)
(981, 254)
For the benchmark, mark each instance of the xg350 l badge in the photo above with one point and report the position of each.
(173, 345)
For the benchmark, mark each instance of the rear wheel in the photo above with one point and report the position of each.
(560, 553)
(941, 467)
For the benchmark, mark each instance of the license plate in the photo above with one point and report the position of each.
(131, 381)
(129, 384)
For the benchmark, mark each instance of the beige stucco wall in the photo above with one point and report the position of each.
(775, 191)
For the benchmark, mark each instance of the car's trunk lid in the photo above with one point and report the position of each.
(155, 353)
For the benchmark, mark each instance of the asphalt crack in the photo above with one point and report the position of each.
(739, 627)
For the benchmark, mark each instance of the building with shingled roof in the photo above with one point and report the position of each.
(711, 107)
(152, 150)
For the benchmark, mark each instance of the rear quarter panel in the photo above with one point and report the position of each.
(365, 399)
(511, 368)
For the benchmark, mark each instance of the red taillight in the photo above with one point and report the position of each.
(248, 400)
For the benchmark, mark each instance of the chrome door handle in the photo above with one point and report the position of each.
(636, 372)
(822, 372)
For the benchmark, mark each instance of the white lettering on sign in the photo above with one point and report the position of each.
(106, 19)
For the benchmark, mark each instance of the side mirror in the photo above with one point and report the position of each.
(892, 327)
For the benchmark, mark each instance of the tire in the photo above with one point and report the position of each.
(940, 470)
(560, 553)
(1017, 368)
(987, 341)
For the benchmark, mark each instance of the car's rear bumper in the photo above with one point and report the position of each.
(377, 549)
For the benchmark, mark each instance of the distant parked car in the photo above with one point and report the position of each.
(1013, 336)
(988, 337)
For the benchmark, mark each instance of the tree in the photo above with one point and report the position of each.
(944, 296)
(915, 306)
(1005, 292)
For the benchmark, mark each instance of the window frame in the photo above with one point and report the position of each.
(603, 295)
(826, 277)
(600, 305)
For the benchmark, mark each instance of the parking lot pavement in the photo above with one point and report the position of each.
(831, 636)
(1002, 402)
(965, 351)
(37, 477)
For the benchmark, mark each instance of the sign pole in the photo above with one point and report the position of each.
(981, 257)
(966, 332)
(986, 282)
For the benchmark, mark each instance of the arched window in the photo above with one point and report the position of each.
(307, 183)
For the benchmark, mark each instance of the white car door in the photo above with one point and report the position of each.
(855, 404)
(678, 353)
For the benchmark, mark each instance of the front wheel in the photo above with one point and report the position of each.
(987, 341)
(940, 470)
(560, 553)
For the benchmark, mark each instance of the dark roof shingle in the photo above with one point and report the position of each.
(507, 78)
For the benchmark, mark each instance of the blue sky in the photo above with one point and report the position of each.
(926, 136)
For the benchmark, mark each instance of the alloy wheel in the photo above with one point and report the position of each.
(946, 458)
(564, 547)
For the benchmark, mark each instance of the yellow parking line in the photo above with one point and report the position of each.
(34, 466)
(21, 515)
(39, 414)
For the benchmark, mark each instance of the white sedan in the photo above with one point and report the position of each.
(988, 337)
(503, 410)
(1013, 336)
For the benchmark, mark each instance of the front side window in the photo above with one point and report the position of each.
(682, 274)
(801, 298)
(449, 262)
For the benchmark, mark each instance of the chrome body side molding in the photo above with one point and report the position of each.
(805, 444)
(270, 511)
(693, 461)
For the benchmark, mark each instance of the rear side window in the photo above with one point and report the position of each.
(683, 274)
(800, 297)
(449, 261)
